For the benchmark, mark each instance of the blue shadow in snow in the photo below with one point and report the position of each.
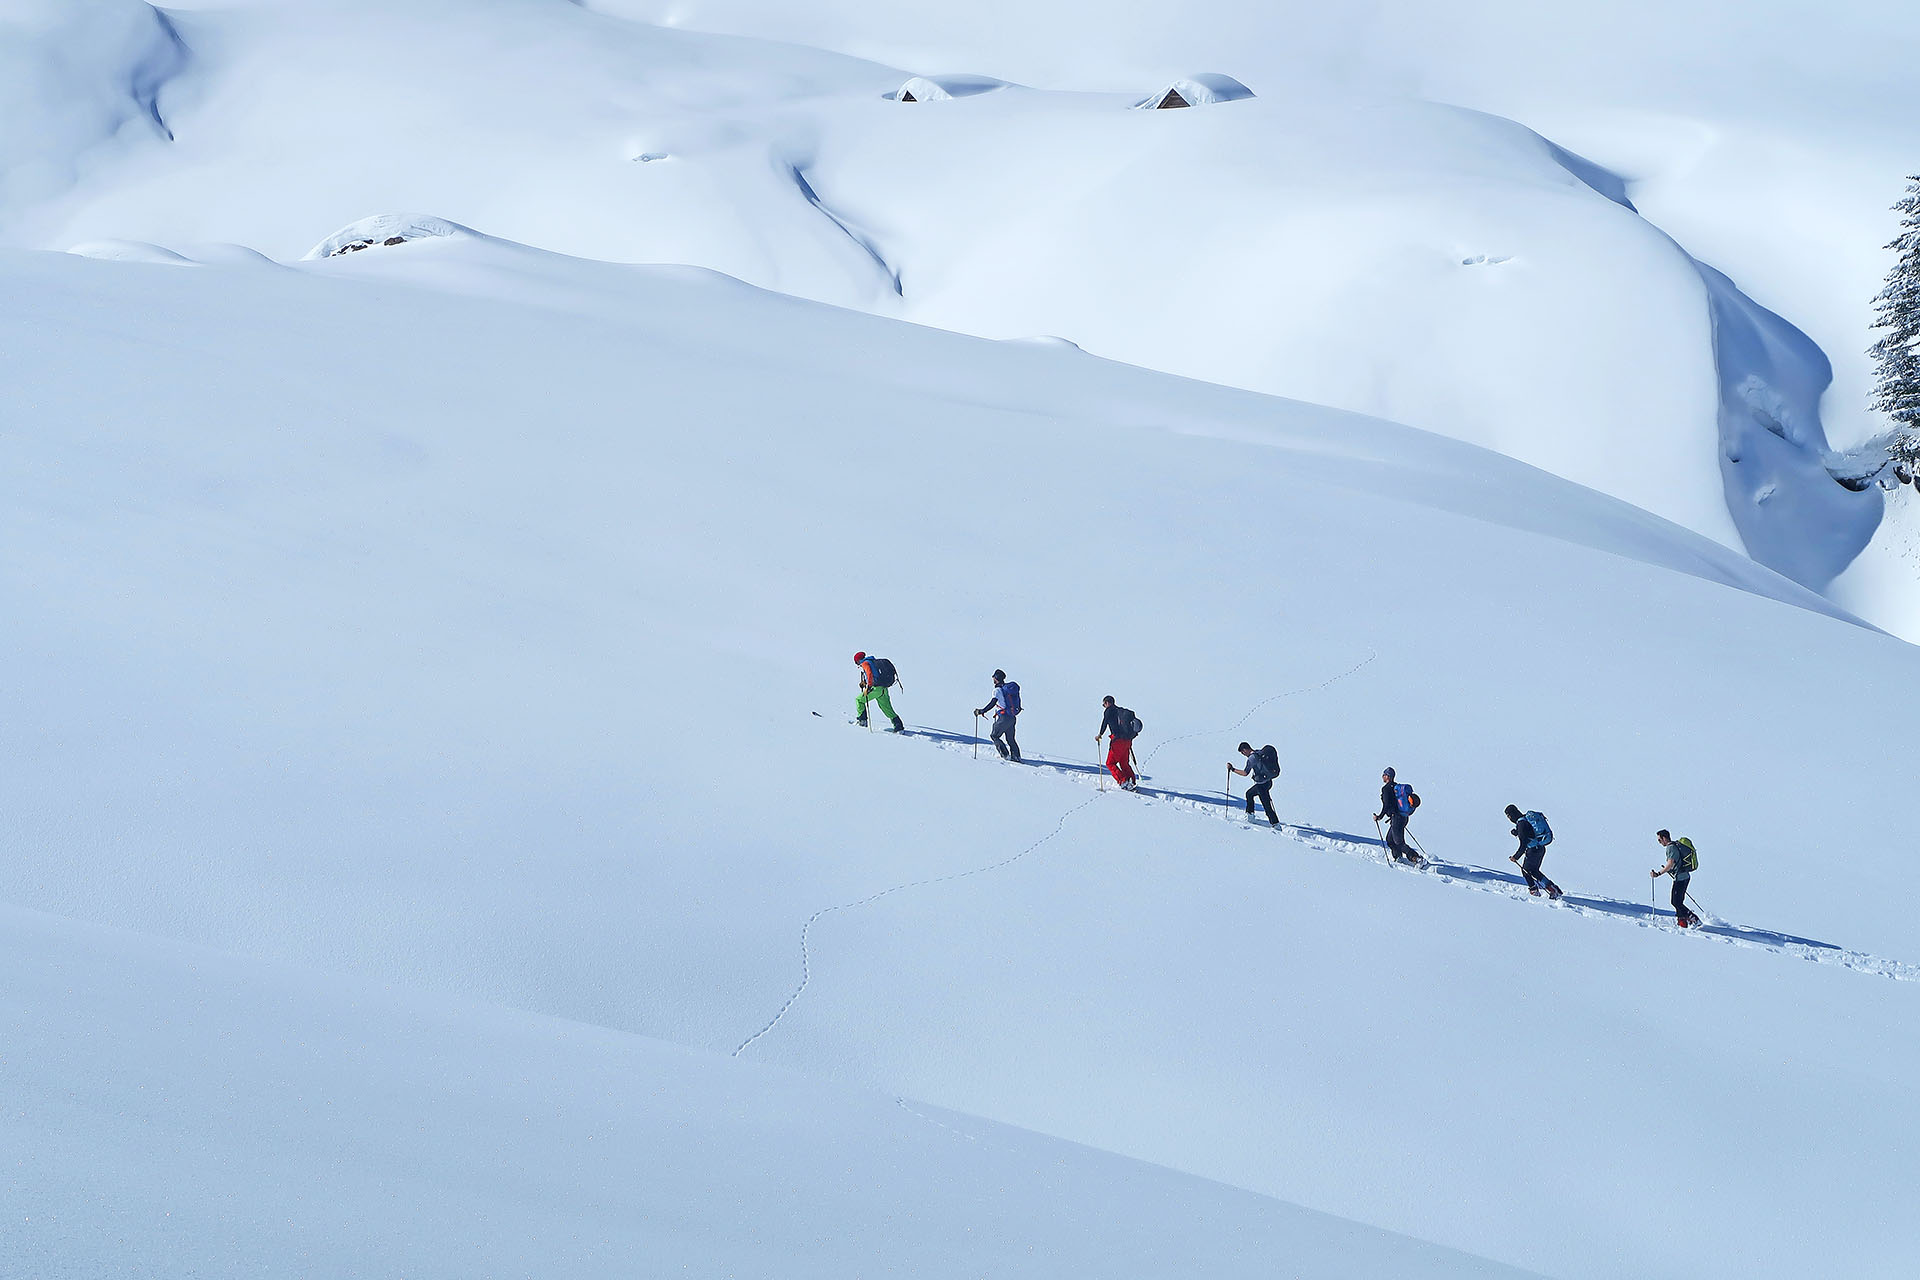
(1455, 870)
(1638, 911)
(1032, 761)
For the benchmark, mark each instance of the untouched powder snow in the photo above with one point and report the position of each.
(293, 1123)
(501, 687)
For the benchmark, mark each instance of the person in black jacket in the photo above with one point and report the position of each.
(1396, 820)
(1262, 769)
(1532, 849)
(1118, 721)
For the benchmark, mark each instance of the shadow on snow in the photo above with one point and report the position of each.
(1228, 806)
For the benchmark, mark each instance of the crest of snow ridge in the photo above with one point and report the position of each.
(1200, 90)
(387, 229)
(941, 88)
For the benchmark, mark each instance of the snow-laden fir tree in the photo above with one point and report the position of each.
(1896, 356)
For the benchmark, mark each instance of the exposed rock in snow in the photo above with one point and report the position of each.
(385, 230)
(1196, 91)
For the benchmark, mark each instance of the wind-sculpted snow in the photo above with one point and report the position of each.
(1332, 245)
(79, 79)
(385, 231)
(1758, 138)
(1780, 475)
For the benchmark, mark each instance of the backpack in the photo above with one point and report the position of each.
(1542, 833)
(880, 673)
(1404, 798)
(1270, 758)
(1133, 725)
(1012, 690)
(1689, 861)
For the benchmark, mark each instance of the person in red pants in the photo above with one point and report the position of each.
(1125, 727)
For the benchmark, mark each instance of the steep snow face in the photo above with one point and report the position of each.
(462, 629)
(1435, 266)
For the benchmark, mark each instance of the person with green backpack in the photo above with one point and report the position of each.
(1682, 861)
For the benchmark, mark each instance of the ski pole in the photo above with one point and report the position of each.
(1228, 788)
(976, 735)
(1688, 894)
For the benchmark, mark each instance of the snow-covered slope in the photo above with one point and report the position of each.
(431, 637)
(1758, 133)
(461, 629)
(1343, 245)
(242, 1120)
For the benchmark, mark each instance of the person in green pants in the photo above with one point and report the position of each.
(876, 677)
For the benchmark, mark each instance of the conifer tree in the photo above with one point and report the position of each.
(1896, 355)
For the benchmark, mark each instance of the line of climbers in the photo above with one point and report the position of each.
(1398, 800)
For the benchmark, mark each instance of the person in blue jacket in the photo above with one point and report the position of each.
(1533, 847)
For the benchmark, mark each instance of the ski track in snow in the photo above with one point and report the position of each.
(1465, 875)
(941, 737)
(806, 930)
(1487, 880)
